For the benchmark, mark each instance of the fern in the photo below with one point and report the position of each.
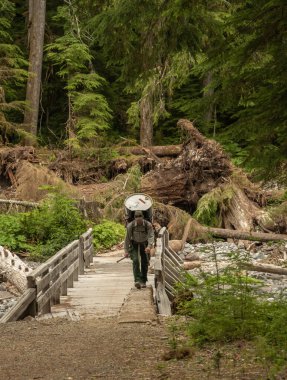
(211, 206)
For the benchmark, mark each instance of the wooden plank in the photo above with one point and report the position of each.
(174, 266)
(44, 298)
(158, 255)
(170, 278)
(179, 272)
(169, 294)
(170, 287)
(174, 275)
(20, 307)
(81, 256)
(87, 234)
(174, 257)
(162, 300)
(42, 268)
(56, 270)
(51, 276)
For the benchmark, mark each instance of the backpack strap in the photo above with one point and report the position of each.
(145, 222)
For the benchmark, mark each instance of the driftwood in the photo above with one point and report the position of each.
(242, 235)
(266, 268)
(198, 231)
(14, 269)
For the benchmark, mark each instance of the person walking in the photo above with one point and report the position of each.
(138, 242)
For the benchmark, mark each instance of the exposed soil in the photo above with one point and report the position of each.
(103, 349)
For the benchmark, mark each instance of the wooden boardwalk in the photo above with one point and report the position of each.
(101, 291)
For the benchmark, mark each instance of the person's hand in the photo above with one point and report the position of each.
(147, 250)
(126, 254)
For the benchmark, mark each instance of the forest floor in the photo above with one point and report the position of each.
(60, 349)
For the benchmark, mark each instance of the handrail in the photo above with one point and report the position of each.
(169, 271)
(51, 279)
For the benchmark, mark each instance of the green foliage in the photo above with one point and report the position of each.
(230, 306)
(212, 205)
(89, 112)
(11, 233)
(53, 225)
(45, 230)
(220, 64)
(107, 234)
(13, 76)
(127, 31)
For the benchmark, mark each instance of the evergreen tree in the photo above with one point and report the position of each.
(249, 85)
(88, 110)
(155, 43)
(13, 76)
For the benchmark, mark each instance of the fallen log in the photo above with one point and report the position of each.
(13, 269)
(160, 151)
(18, 203)
(266, 268)
(242, 235)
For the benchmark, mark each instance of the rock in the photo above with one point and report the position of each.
(192, 257)
(191, 265)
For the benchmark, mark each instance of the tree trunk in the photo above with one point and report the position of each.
(266, 268)
(146, 126)
(14, 269)
(160, 151)
(37, 11)
(242, 235)
(208, 93)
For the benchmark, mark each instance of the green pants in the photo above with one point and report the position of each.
(140, 262)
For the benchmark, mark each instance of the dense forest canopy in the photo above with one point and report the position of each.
(132, 68)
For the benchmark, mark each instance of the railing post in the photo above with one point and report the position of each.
(32, 309)
(91, 248)
(81, 256)
(163, 242)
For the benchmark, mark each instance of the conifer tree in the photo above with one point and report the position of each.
(155, 43)
(36, 31)
(88, 110)
(13, 75)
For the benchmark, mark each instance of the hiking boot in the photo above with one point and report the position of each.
(143, 285)
(137, 285)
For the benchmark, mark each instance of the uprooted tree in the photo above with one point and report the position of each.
(203, 180)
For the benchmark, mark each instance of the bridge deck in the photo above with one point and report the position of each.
(101, 291)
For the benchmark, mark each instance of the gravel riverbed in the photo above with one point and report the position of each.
(220, 255)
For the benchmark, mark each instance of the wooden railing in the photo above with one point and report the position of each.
(51, 279)
(168, 272)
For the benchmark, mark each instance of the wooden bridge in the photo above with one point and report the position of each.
(76, 283)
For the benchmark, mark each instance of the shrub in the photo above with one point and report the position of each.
(45, 230)
(53, 225)
(228, 306)
(107, 234)
(11, 233)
